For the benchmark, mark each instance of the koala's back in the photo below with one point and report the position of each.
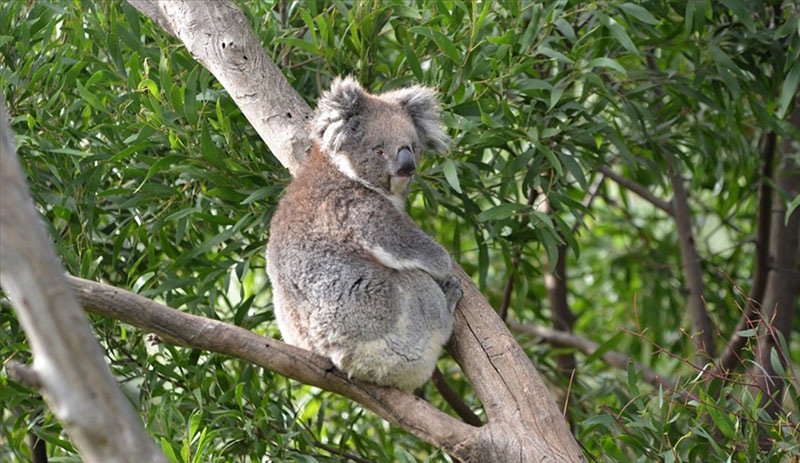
(332, 296)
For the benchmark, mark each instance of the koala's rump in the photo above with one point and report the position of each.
(376, 323)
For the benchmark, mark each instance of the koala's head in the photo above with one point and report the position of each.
(377, 139)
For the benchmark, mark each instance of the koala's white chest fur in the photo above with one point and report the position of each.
(354, 279)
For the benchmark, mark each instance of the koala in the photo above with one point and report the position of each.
(354, 278)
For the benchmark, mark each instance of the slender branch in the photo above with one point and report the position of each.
(594, 190)
(454, 400)
(68, 363)
(702, 331)
(750, 315)
(555, 281)
(763, 222)
(639, 189)
(617, 360)
(783, 280)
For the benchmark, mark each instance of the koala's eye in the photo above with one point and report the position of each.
(379, 152)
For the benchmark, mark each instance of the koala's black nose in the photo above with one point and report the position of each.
(406, 165)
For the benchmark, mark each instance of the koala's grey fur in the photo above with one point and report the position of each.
(354, 279)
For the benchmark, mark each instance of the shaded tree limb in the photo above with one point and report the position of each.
(702, 330)
(783, 279)
(555, 282)
(68, 362)
(454, 400)
(750, 316)
(593, 192)
(617, 360)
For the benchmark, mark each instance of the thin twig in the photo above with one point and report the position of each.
(454, 400)
(637, 188)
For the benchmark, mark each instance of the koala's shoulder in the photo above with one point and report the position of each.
(318, 198)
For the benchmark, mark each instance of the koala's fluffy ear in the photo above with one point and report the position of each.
(423, 107)
(337, 117)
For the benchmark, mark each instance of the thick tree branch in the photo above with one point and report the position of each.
(182, 329)
(524, 423)
(68, 363)
(219, 37)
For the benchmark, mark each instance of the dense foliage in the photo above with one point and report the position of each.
(149, 178)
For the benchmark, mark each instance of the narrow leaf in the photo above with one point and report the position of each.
(450, 173)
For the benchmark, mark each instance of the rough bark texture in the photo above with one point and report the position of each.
(68, 363)
(524, 423)
(219, 37)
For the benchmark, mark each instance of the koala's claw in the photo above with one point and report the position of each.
(452, 291)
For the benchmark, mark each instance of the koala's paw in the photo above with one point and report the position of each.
(452, 292)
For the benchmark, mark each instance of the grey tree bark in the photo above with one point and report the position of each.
(68, 365)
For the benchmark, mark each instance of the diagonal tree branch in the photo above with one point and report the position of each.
(637, 188)
(68, 363)
(187, 330)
